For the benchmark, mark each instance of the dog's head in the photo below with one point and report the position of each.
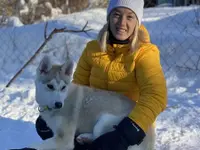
(52, 83)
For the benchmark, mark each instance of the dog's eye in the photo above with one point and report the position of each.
(63, 87)
(50, 86)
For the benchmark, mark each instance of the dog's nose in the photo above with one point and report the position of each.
(58, 105)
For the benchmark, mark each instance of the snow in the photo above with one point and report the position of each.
(174, 30)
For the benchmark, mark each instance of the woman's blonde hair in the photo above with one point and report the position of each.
(137, 36)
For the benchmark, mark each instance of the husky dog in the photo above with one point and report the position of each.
(74, 110)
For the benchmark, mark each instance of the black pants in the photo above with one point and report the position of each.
(45, 132)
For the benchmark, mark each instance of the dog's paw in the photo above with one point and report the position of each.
(85, 138)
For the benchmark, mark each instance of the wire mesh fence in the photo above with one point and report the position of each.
(174, 29)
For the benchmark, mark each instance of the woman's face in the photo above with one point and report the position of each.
(122, 23)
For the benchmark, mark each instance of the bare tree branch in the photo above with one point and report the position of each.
(45, 31)
(74, 31)
(46, 39)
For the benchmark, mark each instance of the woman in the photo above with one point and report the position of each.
(124, 60)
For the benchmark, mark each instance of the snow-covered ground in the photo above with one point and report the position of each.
(174, 30)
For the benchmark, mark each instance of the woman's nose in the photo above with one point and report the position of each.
(122, 21)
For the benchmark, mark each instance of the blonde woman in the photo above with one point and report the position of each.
(124, 60)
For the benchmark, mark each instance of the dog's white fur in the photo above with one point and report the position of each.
(87, 112)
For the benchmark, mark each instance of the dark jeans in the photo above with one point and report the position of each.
(45, 132)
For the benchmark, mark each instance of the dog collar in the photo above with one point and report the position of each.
(44, 108)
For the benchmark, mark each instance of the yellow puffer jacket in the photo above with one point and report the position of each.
(138, 75)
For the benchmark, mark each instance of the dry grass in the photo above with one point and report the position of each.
(6, 7)
(100, 3)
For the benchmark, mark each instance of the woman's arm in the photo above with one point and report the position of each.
(152, 85)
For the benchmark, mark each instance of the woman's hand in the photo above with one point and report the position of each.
(126, 134)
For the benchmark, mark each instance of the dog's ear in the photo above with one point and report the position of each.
(67, 68)
(44, 66)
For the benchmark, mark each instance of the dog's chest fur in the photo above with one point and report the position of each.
(52, 119)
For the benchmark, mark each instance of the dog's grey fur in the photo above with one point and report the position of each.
(87, 112)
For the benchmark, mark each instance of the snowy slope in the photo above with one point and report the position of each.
(172, 29)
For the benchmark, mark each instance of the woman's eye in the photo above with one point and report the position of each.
(63, 88)
(116, 15)
(50, 86)
(130, 17)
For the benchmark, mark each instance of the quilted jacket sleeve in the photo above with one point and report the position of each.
(83, 69)
(152, 86)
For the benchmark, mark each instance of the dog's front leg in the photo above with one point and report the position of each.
(49, 144)
(58, 142)
(65, 134)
